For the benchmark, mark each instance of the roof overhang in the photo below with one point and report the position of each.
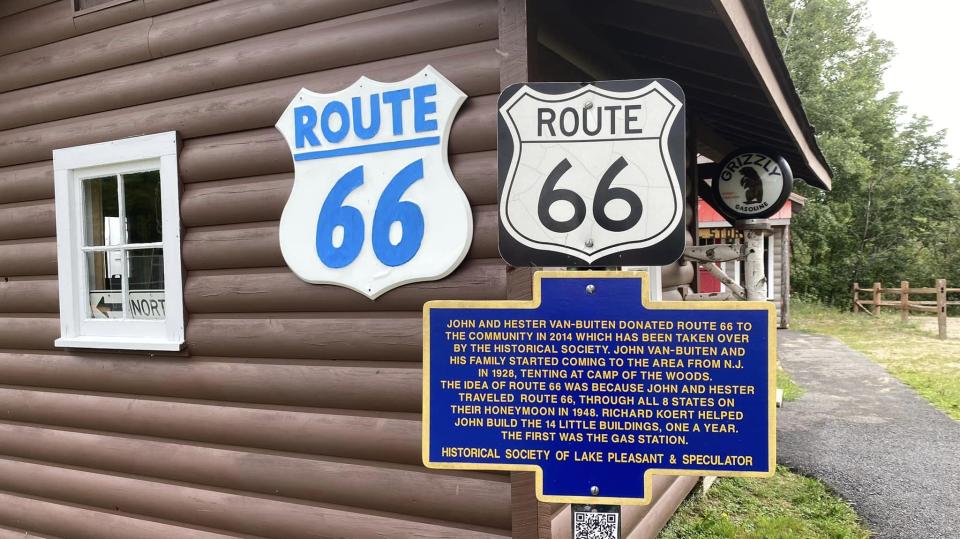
(750, 26)
(722, 53)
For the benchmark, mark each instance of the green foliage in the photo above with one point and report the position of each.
(894, 212)
(786, 506)
(791, 391)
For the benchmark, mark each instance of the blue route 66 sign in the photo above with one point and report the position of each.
(374, 203)
(597, 389)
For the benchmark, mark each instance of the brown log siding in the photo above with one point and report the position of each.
(295, 410)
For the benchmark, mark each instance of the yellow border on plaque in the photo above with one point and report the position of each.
(645, 302)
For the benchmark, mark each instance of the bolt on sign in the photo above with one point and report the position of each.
(592, 174)
(374, 203)
(597, 389)
(752, 184)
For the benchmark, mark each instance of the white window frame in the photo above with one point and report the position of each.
(70, 167)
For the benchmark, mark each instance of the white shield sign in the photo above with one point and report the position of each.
(593, 171)
(374, 204)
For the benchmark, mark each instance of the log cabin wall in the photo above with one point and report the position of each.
(295, 409)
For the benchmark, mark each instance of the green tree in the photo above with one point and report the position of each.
(895, 206)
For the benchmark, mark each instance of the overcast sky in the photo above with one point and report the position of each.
(925, 33)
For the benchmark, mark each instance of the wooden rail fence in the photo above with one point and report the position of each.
(905, 304)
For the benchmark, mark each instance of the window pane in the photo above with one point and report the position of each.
(101, 212)
(104, 270)
(141, 194)
(147, 298)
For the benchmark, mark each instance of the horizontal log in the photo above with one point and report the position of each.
(29, 331)
(55, 21)
(263, 151)
(477, 174)
(928, 290)
(10, 8)
(262, 198)
(22, 220)
(22, 183)
(279, 290)
(243, 200)
(676, 274)
(353, 385)
(111, 47)
(18, 533)
(334, 433)
(473, 68)
(39, 26)
(656, 515)
(66, 520)
(116, 15)
(226, 510)
(28, 257)
(141, 38)
(356, 39)
(672, 294)
(257, 245)
(232, 246)
(234, 155)
(326, 336)
(472, 498)
(29, 295)
(230, 20)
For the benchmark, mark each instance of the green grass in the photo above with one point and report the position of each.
(791, 391)
(787, 506)
(910, 351)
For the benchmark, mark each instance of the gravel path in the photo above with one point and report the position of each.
(871, 439)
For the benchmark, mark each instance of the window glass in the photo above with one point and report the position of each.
(102, 221)
(146, 269)
(145, 281)
(105, 284)
(123, 281)
(141, 200)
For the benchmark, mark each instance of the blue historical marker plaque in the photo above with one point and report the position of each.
(596, 389)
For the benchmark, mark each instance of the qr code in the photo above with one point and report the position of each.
(596, 526)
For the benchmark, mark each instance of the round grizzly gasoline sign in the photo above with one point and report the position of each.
(752, 184)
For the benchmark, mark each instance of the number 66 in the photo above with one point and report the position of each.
(390, 209)
(604, 194)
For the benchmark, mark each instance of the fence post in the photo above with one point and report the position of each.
(856, 296)
(877, 296)
(904, 300)
(942, 308)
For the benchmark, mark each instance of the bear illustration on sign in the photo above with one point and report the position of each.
(752, 185)
(374, 203)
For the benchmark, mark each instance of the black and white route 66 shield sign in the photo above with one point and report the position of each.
(592, 174)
